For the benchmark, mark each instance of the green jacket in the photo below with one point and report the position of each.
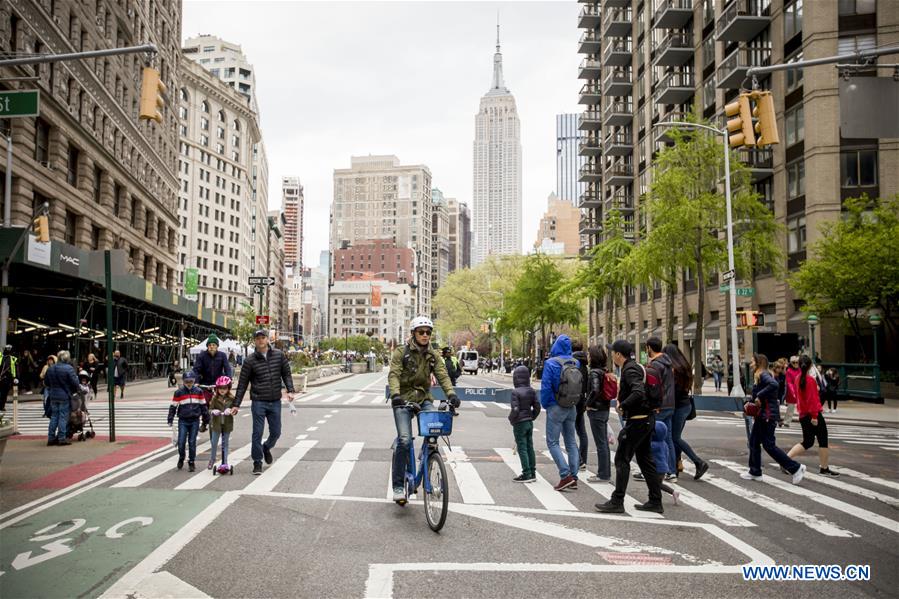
(224, 424)
(412, 380)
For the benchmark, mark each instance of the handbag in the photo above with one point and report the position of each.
(751, 409)
(692, 413)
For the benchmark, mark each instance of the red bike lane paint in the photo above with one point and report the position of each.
(135, 447)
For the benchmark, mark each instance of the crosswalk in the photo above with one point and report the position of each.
(883, 438)
(376, 397)
(133, 418)
(851, 506)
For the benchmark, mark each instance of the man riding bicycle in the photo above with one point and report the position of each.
(411, 367)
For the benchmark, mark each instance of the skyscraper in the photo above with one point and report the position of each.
(226, 61)
(459, 234)
(440, 247)
(292, 203)
(497, 170)
(568, 159)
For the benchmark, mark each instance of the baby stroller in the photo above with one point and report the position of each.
(79, 419)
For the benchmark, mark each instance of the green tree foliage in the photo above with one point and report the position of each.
(245, 324)
(531, 304)
(854, 266)
(361, 344)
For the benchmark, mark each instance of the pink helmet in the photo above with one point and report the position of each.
(223, 381)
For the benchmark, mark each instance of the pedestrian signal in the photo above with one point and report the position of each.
(748, 319)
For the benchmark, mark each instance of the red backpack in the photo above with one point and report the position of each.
(609, 387)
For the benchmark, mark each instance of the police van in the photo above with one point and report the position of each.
(468, 360)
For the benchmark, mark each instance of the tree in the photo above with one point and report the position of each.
(245, 325)
(855, 265)
(687, 217)
(531, 303)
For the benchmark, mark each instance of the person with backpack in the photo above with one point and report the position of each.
(665, 415)
(580, 427)
(639, 396)
(524, 409)
(603, 388)
(560, 390)
(683, 408)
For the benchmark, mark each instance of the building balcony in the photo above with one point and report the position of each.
(674, 88)
(589, 120)
(732, 70)
(590, 146)
(661, 132)
(619, 23)
(590, 69)
(618, 143)
(741, 20)
(759, 161)
(616, 3)
(619, 173)
(673, 14)
(590, 42)
(617, 53)
(617, 114)
(617, 83)
(590, 173)
(590, 94)
(590, 17)
(590, 225)
(623, 202)
(675, 50)
(590, 199)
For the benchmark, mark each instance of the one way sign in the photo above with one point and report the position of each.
(262, 280)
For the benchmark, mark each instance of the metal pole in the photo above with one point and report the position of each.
(857, 56)
(7, 222)
(110, 367)
(811, 328)
(737, 390)
(45, 58)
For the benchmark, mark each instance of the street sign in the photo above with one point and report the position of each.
(724, 288)
(259, 289)
(261, 280)
(741, 291)
(262, 319)
(728, 275)
(24, 102)
(191, 281)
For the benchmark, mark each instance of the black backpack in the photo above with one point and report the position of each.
(653, 388)
(571, 383)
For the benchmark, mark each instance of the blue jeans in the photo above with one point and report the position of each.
(680, 420)
(599, 425)
(560, 420)
(717, 376)
(59, 419)
(762, 435)
(402, 418)
(214, 436)
(187, 433)
(265, 411)
(666, 416)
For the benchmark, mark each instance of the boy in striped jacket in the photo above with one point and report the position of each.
(190, 405)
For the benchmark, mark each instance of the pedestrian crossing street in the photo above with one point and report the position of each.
(851, 506)
(849, 434)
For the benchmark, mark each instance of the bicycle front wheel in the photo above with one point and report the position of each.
(437, 499)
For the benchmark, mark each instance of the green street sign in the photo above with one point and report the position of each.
(19, 103)
(191, 278)
(724, 288)
(741, 291)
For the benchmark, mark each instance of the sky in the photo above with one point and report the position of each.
(338, 79)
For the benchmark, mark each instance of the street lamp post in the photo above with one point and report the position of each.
(875, 322)
(737, 390)
(812, 321)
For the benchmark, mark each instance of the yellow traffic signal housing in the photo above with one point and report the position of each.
(767, 119)
(151, 96)
(41, 228)
(740, 127)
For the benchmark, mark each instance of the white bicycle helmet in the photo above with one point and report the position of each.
(421, 321)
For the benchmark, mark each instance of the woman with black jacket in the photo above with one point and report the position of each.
(683, 406)
(598, 412)
(764, 396)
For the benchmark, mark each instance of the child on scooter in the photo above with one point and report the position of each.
(190, 405)
(222, 421)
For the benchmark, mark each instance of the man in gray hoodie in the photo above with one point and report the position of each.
(525, 409)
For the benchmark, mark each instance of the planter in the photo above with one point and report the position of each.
(299, 382)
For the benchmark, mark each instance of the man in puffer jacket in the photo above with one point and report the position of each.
(524, 410)
(190, 406)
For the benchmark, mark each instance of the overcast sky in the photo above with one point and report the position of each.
(336, 79)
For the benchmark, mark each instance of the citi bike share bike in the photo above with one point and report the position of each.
(429, 470)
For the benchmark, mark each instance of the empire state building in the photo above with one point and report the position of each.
(497, 171)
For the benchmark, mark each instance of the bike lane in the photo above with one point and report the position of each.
(84, 544)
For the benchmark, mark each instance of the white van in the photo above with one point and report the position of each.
(468, 360)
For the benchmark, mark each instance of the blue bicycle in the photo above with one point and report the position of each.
(430, 467)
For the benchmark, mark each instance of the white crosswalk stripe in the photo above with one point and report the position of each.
(133, 419)
(155, 471)
(338, 474)
(471, 486)
(873, 479)
(541, 489)
(203, 478)
(477, 404)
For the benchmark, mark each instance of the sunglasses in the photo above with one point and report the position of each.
(423, 332)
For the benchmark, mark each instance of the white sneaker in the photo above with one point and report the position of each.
(797, 476)
(748, 476)
(399, 495)
(675, 496)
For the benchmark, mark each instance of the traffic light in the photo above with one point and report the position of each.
(740, 127)
(766, 127)
(747, 319)
(41, 228)
(151, 96)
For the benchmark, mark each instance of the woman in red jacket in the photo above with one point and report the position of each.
(808, 403)
(791, 379)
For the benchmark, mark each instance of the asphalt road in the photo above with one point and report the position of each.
(318, 522)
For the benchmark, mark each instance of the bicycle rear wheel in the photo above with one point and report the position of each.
(437, 500)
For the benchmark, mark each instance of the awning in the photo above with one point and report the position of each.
(797, 317)
(713, 326)
(690, 331)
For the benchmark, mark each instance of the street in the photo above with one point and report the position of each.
(318, 521)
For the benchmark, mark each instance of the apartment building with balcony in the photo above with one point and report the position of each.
(659, 60)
